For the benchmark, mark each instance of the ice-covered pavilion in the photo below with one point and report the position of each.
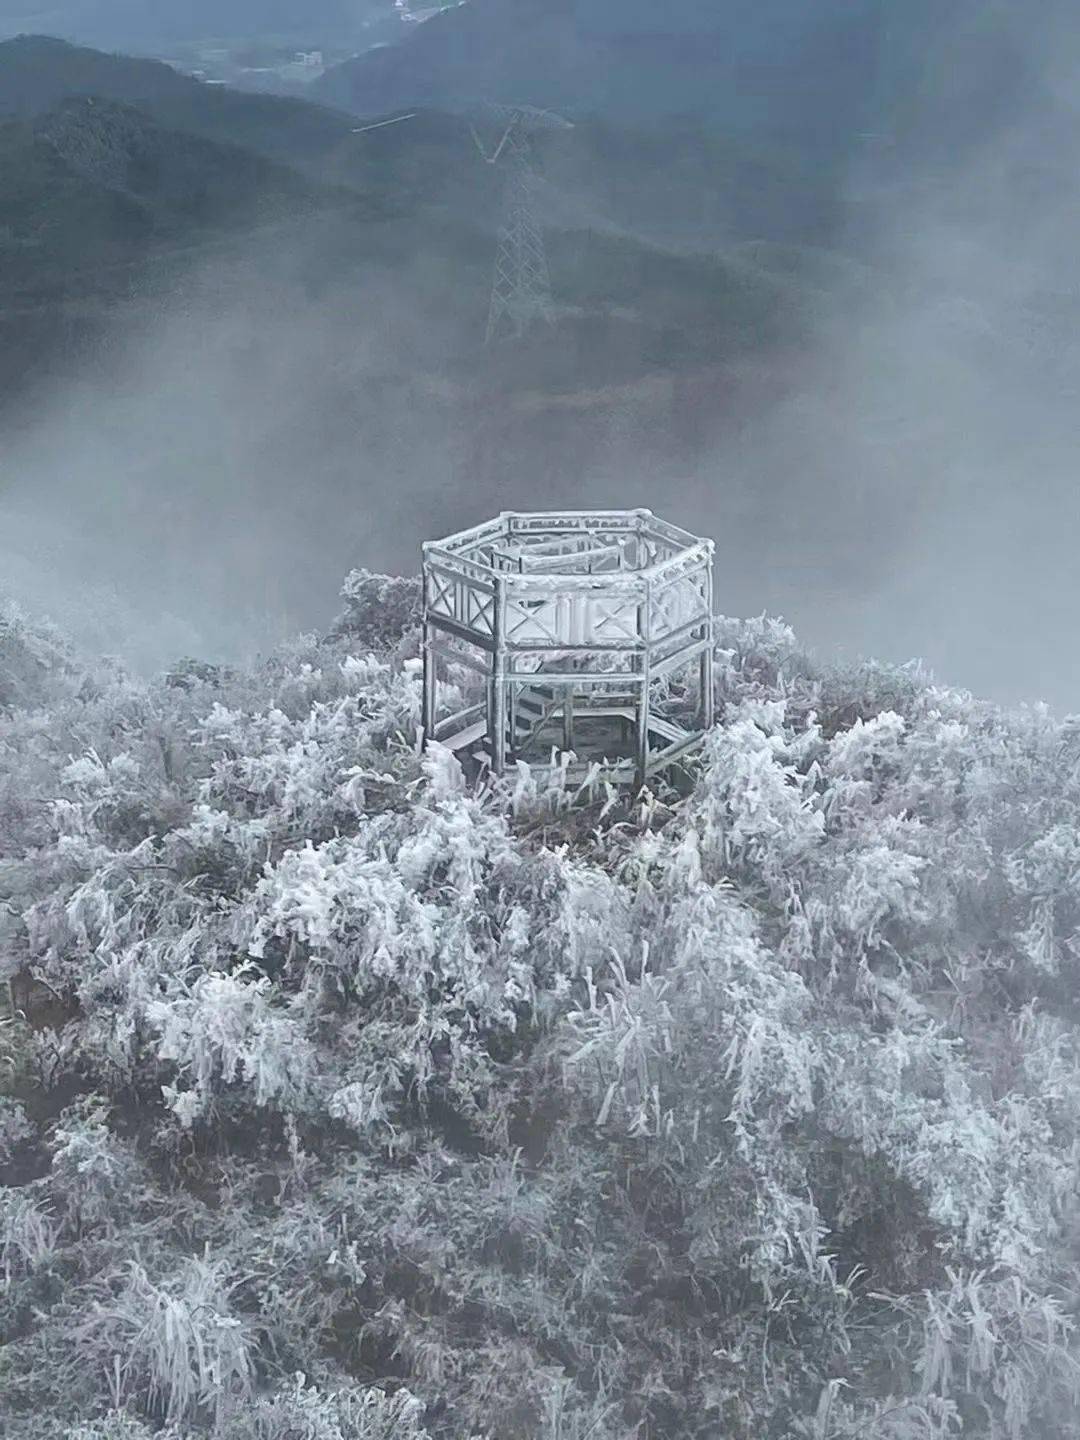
(582, 629)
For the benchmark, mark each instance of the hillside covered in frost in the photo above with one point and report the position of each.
(344, 1101)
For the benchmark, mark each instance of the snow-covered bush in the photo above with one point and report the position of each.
(174, 1347)
(37, 665)
(348, 1101)
(350, 1414)
(377, 608)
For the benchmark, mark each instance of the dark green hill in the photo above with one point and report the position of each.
(37, 72)
(134, 24)
(101, 207)
(94, 184)
(59, 224)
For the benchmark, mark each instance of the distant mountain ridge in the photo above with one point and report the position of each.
(92, 189)
(120, 148)
(116, 173)
(131, 23)
(702, 188)
(38, 72)
(771, 69)
(815, 78)
(118, 176)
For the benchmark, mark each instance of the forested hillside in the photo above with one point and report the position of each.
(123, 185)
(343, 1099)
(92, 183)
(132, 24)
(38, 72)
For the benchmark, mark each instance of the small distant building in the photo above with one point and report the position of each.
(588, 632)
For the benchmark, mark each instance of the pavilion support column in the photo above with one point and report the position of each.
(431, 683)
(708, 656)
(568, 720)
(707, 717)
(641, 768)
(497, 713)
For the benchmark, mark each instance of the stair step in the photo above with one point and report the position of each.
(531, 711)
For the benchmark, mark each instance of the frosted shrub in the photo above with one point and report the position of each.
(227, 1030)
(379, 609)
(15, 1127)
(37, 665)
(303, 1412)
(757, 809)
(756, 656)
(93, 1173)
(119, 1425)
(28, 1233)
(175, 1348)
(1004, 1348)
(410, 1108)
(1045, 876)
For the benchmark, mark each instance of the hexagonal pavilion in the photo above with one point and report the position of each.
(564, 632)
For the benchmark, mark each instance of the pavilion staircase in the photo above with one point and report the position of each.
(536, 705)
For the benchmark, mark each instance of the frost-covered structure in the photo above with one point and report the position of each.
(577, 623)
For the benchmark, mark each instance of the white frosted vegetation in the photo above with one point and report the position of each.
(346, 1102)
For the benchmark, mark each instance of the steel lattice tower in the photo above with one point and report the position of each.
(521, 287)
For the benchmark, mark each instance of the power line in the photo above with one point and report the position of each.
(382, 124)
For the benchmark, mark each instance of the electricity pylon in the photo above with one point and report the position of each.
(521, 288)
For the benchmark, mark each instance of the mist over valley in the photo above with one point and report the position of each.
(839, 347)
